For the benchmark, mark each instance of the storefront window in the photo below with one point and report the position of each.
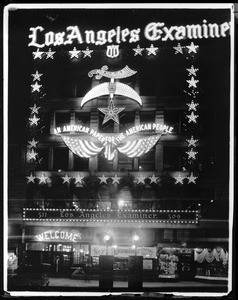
(80, 253)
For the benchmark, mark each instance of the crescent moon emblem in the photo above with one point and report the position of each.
(103, 89)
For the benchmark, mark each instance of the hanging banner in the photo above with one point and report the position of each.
(91, 215)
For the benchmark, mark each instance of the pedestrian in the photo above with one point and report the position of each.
(87, 272)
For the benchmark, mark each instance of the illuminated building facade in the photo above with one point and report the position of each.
(127, 132)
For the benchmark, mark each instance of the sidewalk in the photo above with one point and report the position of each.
(184, 286)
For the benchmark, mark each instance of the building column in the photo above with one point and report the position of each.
(159, 118)
(51, 157)
(136, 122)
(93, 161)
(52, 122)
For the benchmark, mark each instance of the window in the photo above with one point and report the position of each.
(80, 163)
(124, 162)
(147, 116)
(43, 158)
(104, 164)
(175, 119)
(46, 120)
(60, 159)
(82, 119)
(126, 121)
(147, 161)
(62, 119)
(173, 158)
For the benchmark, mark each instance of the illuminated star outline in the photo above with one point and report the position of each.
(32, 154)
(191, 178)
(115, 179)
(192, 48)
(192, 106)
(34, 120)
(111, 112)
(192, 117)
(191, 154)
(178, 48)
(31, 178)
(33, 143)
(34, 109)
(38, 54)
(153, 178)
(36, 87)
(141, 179)
(42, 178)
(179, 179)
(138, 50)
(152, 50)
(191, 142)
(66, 178)
(192, 82)
(192, 71)
(74, 53)
(50, 54)
(103, 178)
(87, 52)
(78, 179)
(36, 76)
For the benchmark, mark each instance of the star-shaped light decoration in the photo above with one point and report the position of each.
(179, 179)
(192, 71)
(36, 76)
(78, 179)
(50, 54)
(36, 87)
(138, 50)
(34, 109)
(192, 82)
(192, 48)
(153, 178)
(74, 53)
(192, 142)
(192, 154)
(111, 112)
(31, 178)
(32, 154)
(140, 179)
(42, 178)
(115, 179)
(87, 52)
(191, 178)
(103, 179)
(66, 178)
(152, 50)
(34, 120)
(33, 143)
(178, 49)
(192, 117)
(38, 54)
(192, 106)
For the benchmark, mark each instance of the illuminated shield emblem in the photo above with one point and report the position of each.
(112, 51)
